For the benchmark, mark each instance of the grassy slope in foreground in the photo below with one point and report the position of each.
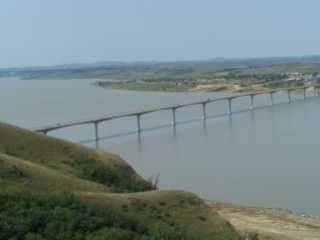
(39, 165)
(71, 159)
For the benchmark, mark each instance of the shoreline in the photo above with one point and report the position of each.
(269, 223)
(197, 86)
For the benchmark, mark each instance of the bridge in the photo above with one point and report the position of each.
(173, 109)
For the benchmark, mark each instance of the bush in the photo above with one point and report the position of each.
(61, 216)
(121, 180)
(112, 234)
(250, 237)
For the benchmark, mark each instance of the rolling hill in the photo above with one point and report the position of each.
(55, 189)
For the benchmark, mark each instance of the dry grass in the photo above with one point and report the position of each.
(20, 175)
(62, 155)
(182, 207)
(36, 163)
(271, 224)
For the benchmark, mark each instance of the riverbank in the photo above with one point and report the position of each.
(197, 85)
(270, 224)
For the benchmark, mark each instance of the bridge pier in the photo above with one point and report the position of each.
(96, 130)
(251, 102)
(174, 122)
(204, 111)
(289, 96)
(229, 106)
(138, 123)
(271, 98)
(304, 94)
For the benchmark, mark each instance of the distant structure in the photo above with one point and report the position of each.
(317, 77)
(312, 77)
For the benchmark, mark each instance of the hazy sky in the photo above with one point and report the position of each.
(46, 32)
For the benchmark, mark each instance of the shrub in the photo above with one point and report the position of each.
(121, 180)
(62, 216)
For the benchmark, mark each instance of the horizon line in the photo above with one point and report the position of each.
(128, 62)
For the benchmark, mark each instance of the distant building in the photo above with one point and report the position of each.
(315, 77)
(295, 76)
(294, 73)
(308, 77)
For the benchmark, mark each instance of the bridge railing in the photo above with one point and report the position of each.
(173, 108)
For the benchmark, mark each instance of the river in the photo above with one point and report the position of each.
(266, 158)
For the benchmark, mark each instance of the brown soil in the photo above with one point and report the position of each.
(271, 224)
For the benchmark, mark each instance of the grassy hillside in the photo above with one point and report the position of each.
(17, 174)
(71, 159)
(184, 208)
(54, 189)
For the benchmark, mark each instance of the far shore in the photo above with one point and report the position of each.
(198, 86)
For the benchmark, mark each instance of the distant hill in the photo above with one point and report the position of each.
(179, 70)
(54, 189)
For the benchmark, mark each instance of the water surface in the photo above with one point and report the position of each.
(267, 157)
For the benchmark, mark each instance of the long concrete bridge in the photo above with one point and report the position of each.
(173, 108)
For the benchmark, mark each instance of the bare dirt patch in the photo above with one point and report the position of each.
(273, 224)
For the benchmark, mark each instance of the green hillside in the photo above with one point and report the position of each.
(71, 159)
(17, 174)
(54, 189)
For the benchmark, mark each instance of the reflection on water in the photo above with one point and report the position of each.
(266, 157)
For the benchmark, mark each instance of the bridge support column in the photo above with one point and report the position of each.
(251, 102)
(138, 123)
(174, 122)
(318, 91)
(96, 131)
(304, 94)
(289, 96)
(229, 106)
(271, 98)
(204, 111)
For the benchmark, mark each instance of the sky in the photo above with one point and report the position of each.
(50, 32)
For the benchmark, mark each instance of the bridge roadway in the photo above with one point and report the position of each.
(173, 108)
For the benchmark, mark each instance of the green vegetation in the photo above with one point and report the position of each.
(163, 86)
(18, 175)
(53, 189)
(234, 69)
(284, 84)
(237, 75)
(64, 217)
(71, 159)
(96, 171)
